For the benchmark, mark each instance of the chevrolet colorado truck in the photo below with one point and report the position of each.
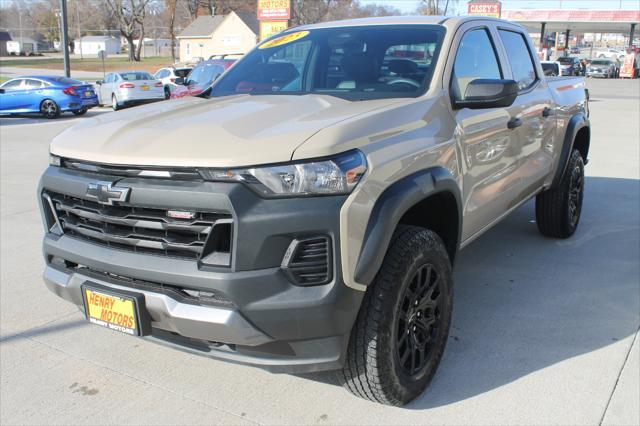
(306, 216)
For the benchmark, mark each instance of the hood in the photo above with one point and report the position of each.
(220, 132)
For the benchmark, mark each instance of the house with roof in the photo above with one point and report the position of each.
(22, 45)
(236, 32)
(4, 38)
(91, 45)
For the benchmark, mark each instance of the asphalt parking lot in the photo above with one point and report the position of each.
(544, 331)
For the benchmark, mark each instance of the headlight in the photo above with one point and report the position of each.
(337, 175)
(54, 160)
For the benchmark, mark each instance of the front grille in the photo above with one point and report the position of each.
(308, 261)
(140, 229)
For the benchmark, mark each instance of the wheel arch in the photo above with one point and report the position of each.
(429, 198)
(577, 135)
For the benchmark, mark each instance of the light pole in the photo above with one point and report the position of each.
(65, 38)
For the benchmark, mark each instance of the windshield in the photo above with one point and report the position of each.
(136, 75)
(565, 61)
(354, 63)
(600, 62)
(205, 73)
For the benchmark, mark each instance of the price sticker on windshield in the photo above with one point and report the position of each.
(285, 39)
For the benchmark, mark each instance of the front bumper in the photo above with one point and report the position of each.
(263, 318)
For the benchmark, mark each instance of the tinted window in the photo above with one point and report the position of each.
(349, 62)
(30, 84)
(12, 85)
(475, 59)
(519, 58)
(182, 72)
(204, 74)
(135, 75)
(550, 69)
(162, 73)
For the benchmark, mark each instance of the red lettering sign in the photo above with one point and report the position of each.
(489, 8)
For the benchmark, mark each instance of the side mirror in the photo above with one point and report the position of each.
(487, 93)
(99, 82)
(179, 81)
(1, 91)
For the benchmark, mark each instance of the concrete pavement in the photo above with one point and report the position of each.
(544, 331)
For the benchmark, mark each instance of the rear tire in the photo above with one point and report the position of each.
(49, 109)
(114, 103)
(401, 331)
(558, 209)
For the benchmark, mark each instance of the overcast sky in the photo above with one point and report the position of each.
(407, 6)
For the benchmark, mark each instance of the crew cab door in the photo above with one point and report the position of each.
(534, 107)
(488, 145)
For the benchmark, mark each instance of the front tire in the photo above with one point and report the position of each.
(558, 209)
(49, 109)
(401, 331)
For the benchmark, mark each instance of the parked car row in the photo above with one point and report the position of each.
(52, 96)
(573, 66)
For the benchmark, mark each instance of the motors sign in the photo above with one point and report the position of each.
(271, 10)
(484, 8)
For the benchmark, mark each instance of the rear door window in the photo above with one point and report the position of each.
(522, 68)
(31, 84)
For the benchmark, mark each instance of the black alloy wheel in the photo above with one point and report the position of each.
(418, 321)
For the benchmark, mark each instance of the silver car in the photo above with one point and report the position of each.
(601, 68)
(127, 88)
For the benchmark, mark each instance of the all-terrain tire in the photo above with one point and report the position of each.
(374, 368)
(558, 209)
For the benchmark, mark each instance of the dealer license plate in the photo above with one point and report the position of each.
(145, 87)
(111, 311)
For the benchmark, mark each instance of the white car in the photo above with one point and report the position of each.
(613, 54)
(120, 89)
(168, 78)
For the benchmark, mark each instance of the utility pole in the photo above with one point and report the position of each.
(20, 24)
(65, 37)
(79, 32)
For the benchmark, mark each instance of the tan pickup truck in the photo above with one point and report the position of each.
(306, 215)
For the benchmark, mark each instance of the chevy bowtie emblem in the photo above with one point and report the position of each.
(106, 193)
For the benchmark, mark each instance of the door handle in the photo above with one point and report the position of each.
(546, 112)
(514, 122)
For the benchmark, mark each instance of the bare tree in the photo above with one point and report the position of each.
(436, 7)
(130, 16)
(171, 7)
(310, 11)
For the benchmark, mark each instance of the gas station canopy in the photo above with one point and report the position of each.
(576, 21)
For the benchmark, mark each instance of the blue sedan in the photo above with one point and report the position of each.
(49, 96)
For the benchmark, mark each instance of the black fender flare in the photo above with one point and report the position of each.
(389, 208)
(577, 122)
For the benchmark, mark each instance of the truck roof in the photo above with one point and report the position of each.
(450, 21)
